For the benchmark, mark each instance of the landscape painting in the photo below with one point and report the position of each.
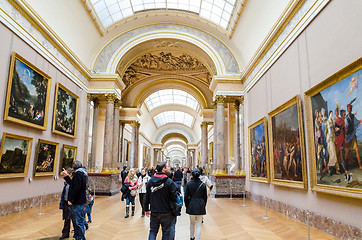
(15, 155)
(46, 158)
(65, 112)
(258, 152)
(334, 110)
(69, 155)
(27, 94)
(287, 145)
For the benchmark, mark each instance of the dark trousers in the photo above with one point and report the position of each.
(78, 218)
(66, 227)
(163, 219)
(142, 202)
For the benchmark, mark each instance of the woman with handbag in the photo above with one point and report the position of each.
(132, 181)
(195, 202)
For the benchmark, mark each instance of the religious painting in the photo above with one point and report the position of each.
(65, 112)
(258, 152)
(46, 158)
(334, 109)
(27, 94)
(287, 154)
(15, 155)
(68, 156)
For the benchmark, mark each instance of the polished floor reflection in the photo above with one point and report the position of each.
(226, 219)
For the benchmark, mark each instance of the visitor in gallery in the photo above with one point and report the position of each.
(142, 182)
(65, 207)
(132, 182)
(178, 178)
(124, 173)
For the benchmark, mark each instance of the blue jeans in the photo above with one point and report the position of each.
(130, 199)
(173, 228)
(163, 219)
(77, 215)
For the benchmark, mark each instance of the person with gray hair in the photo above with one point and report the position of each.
(77, 198)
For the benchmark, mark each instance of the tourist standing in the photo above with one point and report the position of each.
(65, 207)
(132, 181)
(142, 182)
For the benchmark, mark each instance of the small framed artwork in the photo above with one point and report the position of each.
(27, 95)
(258, 152)
(287, 153)
(68, 156)
(65, 112)
(46, 158)
(333, 110)
(15, 155)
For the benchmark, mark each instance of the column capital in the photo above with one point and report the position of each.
(204, 124)
(96, 102)
(220, 99)
(135, 123)
(237, 105)
(89, 97)
(110, 97)
(117, 103)
(214, 105)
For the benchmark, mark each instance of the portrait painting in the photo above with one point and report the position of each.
(46, 158)
(27, 94)
(15, 155)
(65, 112)
(258, 152)
(68, 156)
(335, 117)
(288, 164)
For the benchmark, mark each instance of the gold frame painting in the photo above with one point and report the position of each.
(65, 120)
(27, 97)
(334, 133)
(63, 155)
(46, 158)
(288, 136)
(258, 147)
(11, 147)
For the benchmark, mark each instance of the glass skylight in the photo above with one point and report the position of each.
(173, 117)
(171, 96)
(175, 147)
(217, 11)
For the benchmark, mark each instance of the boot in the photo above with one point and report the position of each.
(133, 207)
(127, 212)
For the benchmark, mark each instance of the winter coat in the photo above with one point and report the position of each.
(142, 182)
(78, 185)
(195, 197)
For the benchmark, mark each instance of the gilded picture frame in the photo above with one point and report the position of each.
(259, 151)
(335, 150)
(286, 146)
(27, 97)
(15, 155)
(46, 158)
(65, 116)
(68, 156)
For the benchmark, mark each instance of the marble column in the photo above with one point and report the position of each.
(108, 133)
(134, 145)
(220, 130)
(121, 153)
(92, 160)
(204, 153)
(214, 157)
(237, 139)
(115, 153)
(242, 147)
(86, 132)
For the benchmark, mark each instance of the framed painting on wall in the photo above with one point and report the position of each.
(287, 153)
(334, 109)
(68, 156)
(15, 155)
(65, 112)
(46, 158)
(258, 152)
(27, 97)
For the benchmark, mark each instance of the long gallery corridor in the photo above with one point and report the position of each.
(226, 219)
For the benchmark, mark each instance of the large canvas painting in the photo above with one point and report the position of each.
(46, 158)
(27, 94)
(258, 152)
(68, 156)
(287, 154)
(65, 112)
(15, 155)
(334, 109)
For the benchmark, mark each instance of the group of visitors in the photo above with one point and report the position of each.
(161, 198)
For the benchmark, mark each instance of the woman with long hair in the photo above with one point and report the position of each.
(132, 182)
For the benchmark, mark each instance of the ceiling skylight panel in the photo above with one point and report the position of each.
(104, 14)
(99, 6)
(173, 117)
(108, 21)
(114, 9)
(117, 16)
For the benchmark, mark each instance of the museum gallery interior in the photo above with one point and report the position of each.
(264, 95)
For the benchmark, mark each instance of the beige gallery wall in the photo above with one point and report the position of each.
(331, 42)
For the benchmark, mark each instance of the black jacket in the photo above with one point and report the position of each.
(160, 194)
(195, 197)
(124, 174)
(178, 175)
(78, 187)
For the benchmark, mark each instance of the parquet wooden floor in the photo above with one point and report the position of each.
(226, 219)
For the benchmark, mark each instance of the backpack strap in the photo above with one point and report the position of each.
(197, 189)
